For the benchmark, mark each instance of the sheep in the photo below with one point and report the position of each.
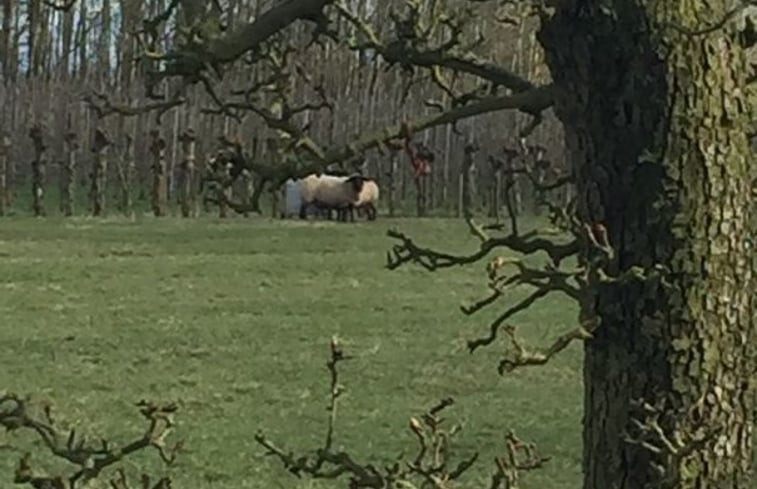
(310, 188)
(368, 198)
(329, 192)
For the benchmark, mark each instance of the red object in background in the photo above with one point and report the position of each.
(421, 167)
(420, 158)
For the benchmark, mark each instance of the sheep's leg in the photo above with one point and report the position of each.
(371, 212)
(303, 211)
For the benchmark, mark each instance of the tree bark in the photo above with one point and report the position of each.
(33, 14)
(67, 46)
(421, 184)
(511, 191)
(6, 37)
(68, 173)
(495, 190)
(126, 171)
(81, 42)
(104, 45)
(37, 135)
(466, 185)
(159, 186)
(186, 185)
(392, 183)
(656, 123)
(99, 176)
(5, 146)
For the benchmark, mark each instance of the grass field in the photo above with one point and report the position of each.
(232, 319)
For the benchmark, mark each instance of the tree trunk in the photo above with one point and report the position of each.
(392, 183)
(36, 133)
(67, 43)
(81, 41)
(274, 202)
(224, 196)
(5, 146)
(68, 173)
(105, 44)
(126, 170)
(33, 15)
(495, 190)
(446, 169)
(159, 186)
(661, 156)
(247, 189)
(466, 184)
(99, 177)
(186, 185)
(511, 191)
(171, 164)
(257, 191)
(6, 36)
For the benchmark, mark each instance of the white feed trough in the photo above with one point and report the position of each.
(293, 198)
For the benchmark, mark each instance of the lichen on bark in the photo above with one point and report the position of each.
(656, 124)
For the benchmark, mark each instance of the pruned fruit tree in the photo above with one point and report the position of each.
(657, 100)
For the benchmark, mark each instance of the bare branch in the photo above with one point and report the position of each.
(527, 244)
(521, 457)
(90, 459)
(519, 356)
(411, 48)
(431, 467)
(104, 107)
(62, 7)
(251, 35)
(670, 447)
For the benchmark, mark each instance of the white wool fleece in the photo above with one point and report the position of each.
(329, 190)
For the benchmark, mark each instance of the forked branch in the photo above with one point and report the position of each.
(89, 459)
(407, 251)
(669, 448)
(432, 465)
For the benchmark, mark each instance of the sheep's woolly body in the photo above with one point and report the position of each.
(328, 190)
(368, 199)
(369, 194)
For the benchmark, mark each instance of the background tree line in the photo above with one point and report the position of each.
(53, 60)
(656, 247)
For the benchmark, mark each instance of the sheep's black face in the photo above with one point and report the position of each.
(357, 183)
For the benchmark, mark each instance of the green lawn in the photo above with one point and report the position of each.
(232, 318)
